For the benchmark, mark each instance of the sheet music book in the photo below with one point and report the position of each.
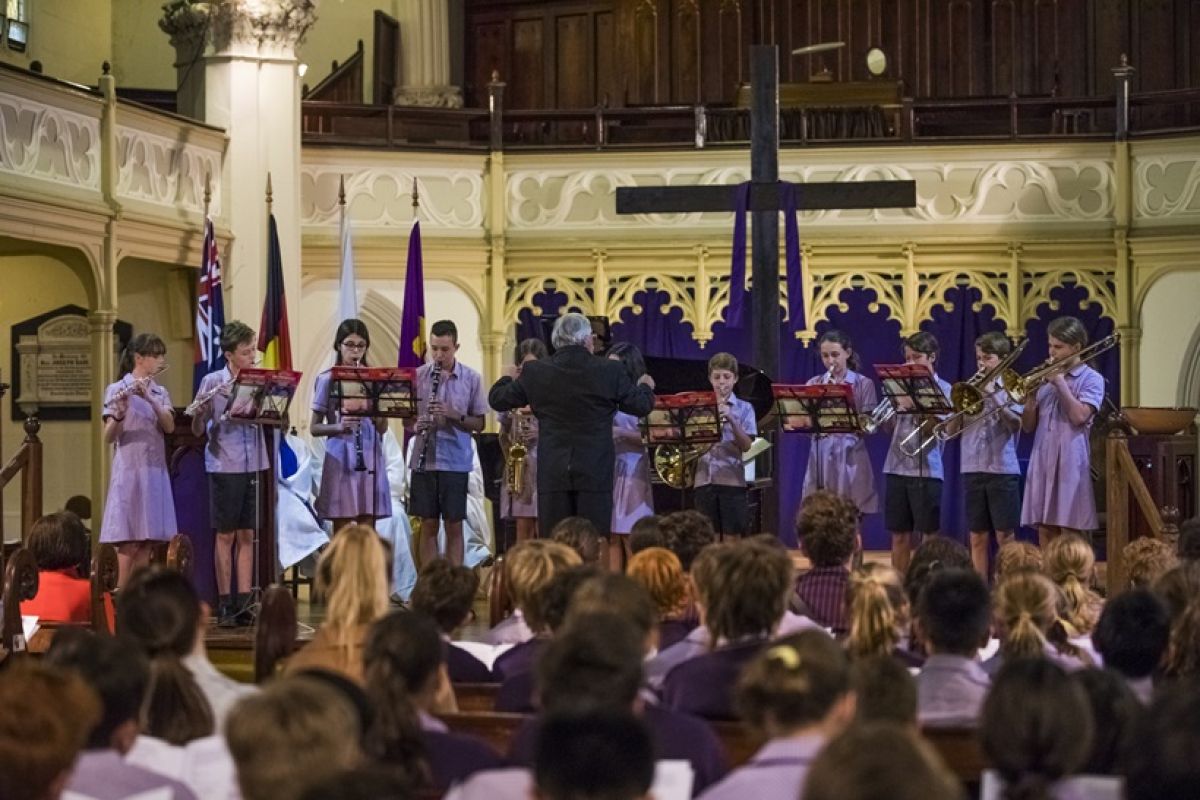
(816, 408)
(374, 391)
(262, 396)
(684, 418)
(916, 382)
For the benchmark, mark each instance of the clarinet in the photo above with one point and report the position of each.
(433, 390)
(360, 465)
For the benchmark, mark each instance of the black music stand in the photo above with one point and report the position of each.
(687, 418)
(816, 408)
(262, 396)
(915, 382)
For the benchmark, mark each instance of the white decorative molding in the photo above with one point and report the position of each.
(451, 198)
(162, 171)
(1167, 186)
(49, 143)
(277, 24)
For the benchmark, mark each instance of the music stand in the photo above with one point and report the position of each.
(915, 382)
(817, 408)
(262, 396)
(374, 391)
(687, 418)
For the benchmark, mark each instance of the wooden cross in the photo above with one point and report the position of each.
(764, 201)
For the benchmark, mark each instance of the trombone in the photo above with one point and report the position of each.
(1023, 387)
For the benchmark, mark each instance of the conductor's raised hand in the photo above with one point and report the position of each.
(646, 380)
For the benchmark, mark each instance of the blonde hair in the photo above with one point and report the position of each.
(1016, 556)
(878, 610)
(532, 565)
(1147, 559)
(352, 577)
(660, 573)
(1026, 606)
(1070, 563)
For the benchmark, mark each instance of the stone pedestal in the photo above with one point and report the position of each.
(425, 53)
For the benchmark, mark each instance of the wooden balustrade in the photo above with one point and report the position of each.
(1123, 480)
(27, 462)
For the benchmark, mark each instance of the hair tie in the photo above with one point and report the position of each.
(786, 655)
(1024, 615)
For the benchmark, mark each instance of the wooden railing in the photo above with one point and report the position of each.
(28, 463)
(1122, 481)
(344, 83)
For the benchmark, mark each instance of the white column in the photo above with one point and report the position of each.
(425, 54)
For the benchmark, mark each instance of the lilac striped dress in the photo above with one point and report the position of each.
(346, 492)
(839, 462)
(139, 505)
(632, 495)
(525, 504)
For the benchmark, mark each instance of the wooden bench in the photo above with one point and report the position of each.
(20, 583)
(476, 697)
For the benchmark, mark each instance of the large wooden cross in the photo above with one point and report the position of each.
(764, 201)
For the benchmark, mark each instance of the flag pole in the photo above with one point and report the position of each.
(416, 198)
(207, 192)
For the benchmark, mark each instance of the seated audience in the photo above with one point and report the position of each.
(1026, 616)
(933, 554)
(119, 675)
(659, 571)
(544, 612)
(407, 683)
(1037, 733)
(686, 533)
(528, 567)
(1115, 710)
(795, 695)
(698, 641)
(1132, 637)
(47, 715)
(741, 607)
(1016, 556)
(361, 783)
(294, 734)
(953, 617)
(1147, 559)
(1164, 765)
(352, 577)
(63, 551)
(1188, 548)
(884, 690)
(880, 761)
(579, 534)
(593, 757)
(645, 534)
(879, 615)
(1071, 564)
(827, 527)
(446, 593)
(1183, 652)
(1178, 587)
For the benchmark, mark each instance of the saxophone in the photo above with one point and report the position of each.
(516, 460)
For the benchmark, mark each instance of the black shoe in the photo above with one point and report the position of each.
(225, 612)
(244, 610)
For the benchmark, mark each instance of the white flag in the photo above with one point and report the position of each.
(348, 294)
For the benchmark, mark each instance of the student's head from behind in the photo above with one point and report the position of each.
(837, 351)
(747, 592)
(579, 534)
(933, 555)
(118, 674)
(446, 593)
(1133, 633)
(1026, 608)
(1183, 652)
(614, 593)
(547, 612)
(630, 357)
(594, 664)
(885, 691)
(660, 573)
(1177, 588)
(529, 350)
(1014, 556)
(1036, 726)
(531, 565)
(237, 343)
(880, 761)
(1115, 710)
(723, 373)
(59, 541)
(351, 342)
(1189, 540)
(1070, 563)
(80, 505)
(1163, 765)
(372, 782)
(827, 527)
(645, 533)
(293, 734)
(954, 613)
(686, 533)
(799, 683)
(47, 714)
(878, 610)
(1147, 559)
(922, 348)
(352, 577)
(595, 756)
(443, 343)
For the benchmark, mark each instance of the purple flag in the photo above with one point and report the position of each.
(412, 319)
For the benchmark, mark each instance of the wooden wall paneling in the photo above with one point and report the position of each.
(527, 71)
(1074, 67)
(1154, 44)
(922, 44)
(725, 26)
(863, 17)
(897, 42)
(646, 63)
(1045, 47)
(608, 83)
(686, 57)
(488, 51)
(1003, 51)
(1110, 38)
(956, 47)
(574, 79)
(1191, 52)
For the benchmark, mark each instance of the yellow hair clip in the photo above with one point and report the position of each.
(786, 655)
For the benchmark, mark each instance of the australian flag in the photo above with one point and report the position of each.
(210, 311)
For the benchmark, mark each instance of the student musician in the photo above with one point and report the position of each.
(633, 497)
(1058, 487)
(721, 492)
(234, 456)
(520, 426)
(354, 481)
(990, 471)
(452, 407)
(137, 413)
(838, 462)
(913, 484)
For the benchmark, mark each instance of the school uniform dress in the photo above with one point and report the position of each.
(839, 462)
(721, 476)
(633, 497)
(1058, 485)
(465, 667)
(510, 630)
(140, 506)
(703, 685)
(521, 658)
(1076, 787)
(950, 691)
(346, 492)
(453, 757)
(523, 505)
(234, 452)
(776, 772)
(913, 490)
(439, 489)
(990, 470)
(106, 775)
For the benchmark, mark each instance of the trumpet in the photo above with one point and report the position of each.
(879, 415)
(138, 383)
(204, 398)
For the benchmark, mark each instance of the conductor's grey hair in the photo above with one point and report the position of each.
(571, 329)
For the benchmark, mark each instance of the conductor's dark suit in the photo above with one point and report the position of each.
(574, 396)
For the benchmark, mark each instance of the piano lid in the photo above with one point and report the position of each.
(673, 375)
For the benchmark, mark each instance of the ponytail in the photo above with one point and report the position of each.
(1025, 639)
(1027, 608)
(1069, 563)
(174, 709)
(876, 600)
(1029, 786)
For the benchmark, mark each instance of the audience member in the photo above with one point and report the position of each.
(796, 695)
(1071, 564)
(645, 534)
(352, 577)
(544, 612)
(1147, 559)
(1188, 547)
(1026, 615)
(446, 593)
(362, 783)
(880, 761)
(119, 675)
(407, 683)
(593, 757)
(294, 734)
(63, 551)
(660, 572)
(47, 714)
(579, 534)
(699, 640)
(885, 691)
(528, 567)
(1183, 652)
(1115, 710)
(953, 617)
(1132, 637)
(827, 526)
(879, 615)
(1015, 556)
(1164, 765)
(686, 533)
(1178, 587)
(933, 554)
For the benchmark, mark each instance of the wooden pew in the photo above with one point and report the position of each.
(105, 572)
(177, 554)
(20, 583)
(476, 697)
(499, 600)
(274, 632)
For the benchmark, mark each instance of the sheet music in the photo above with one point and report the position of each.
(29, 624)
(487, 653)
